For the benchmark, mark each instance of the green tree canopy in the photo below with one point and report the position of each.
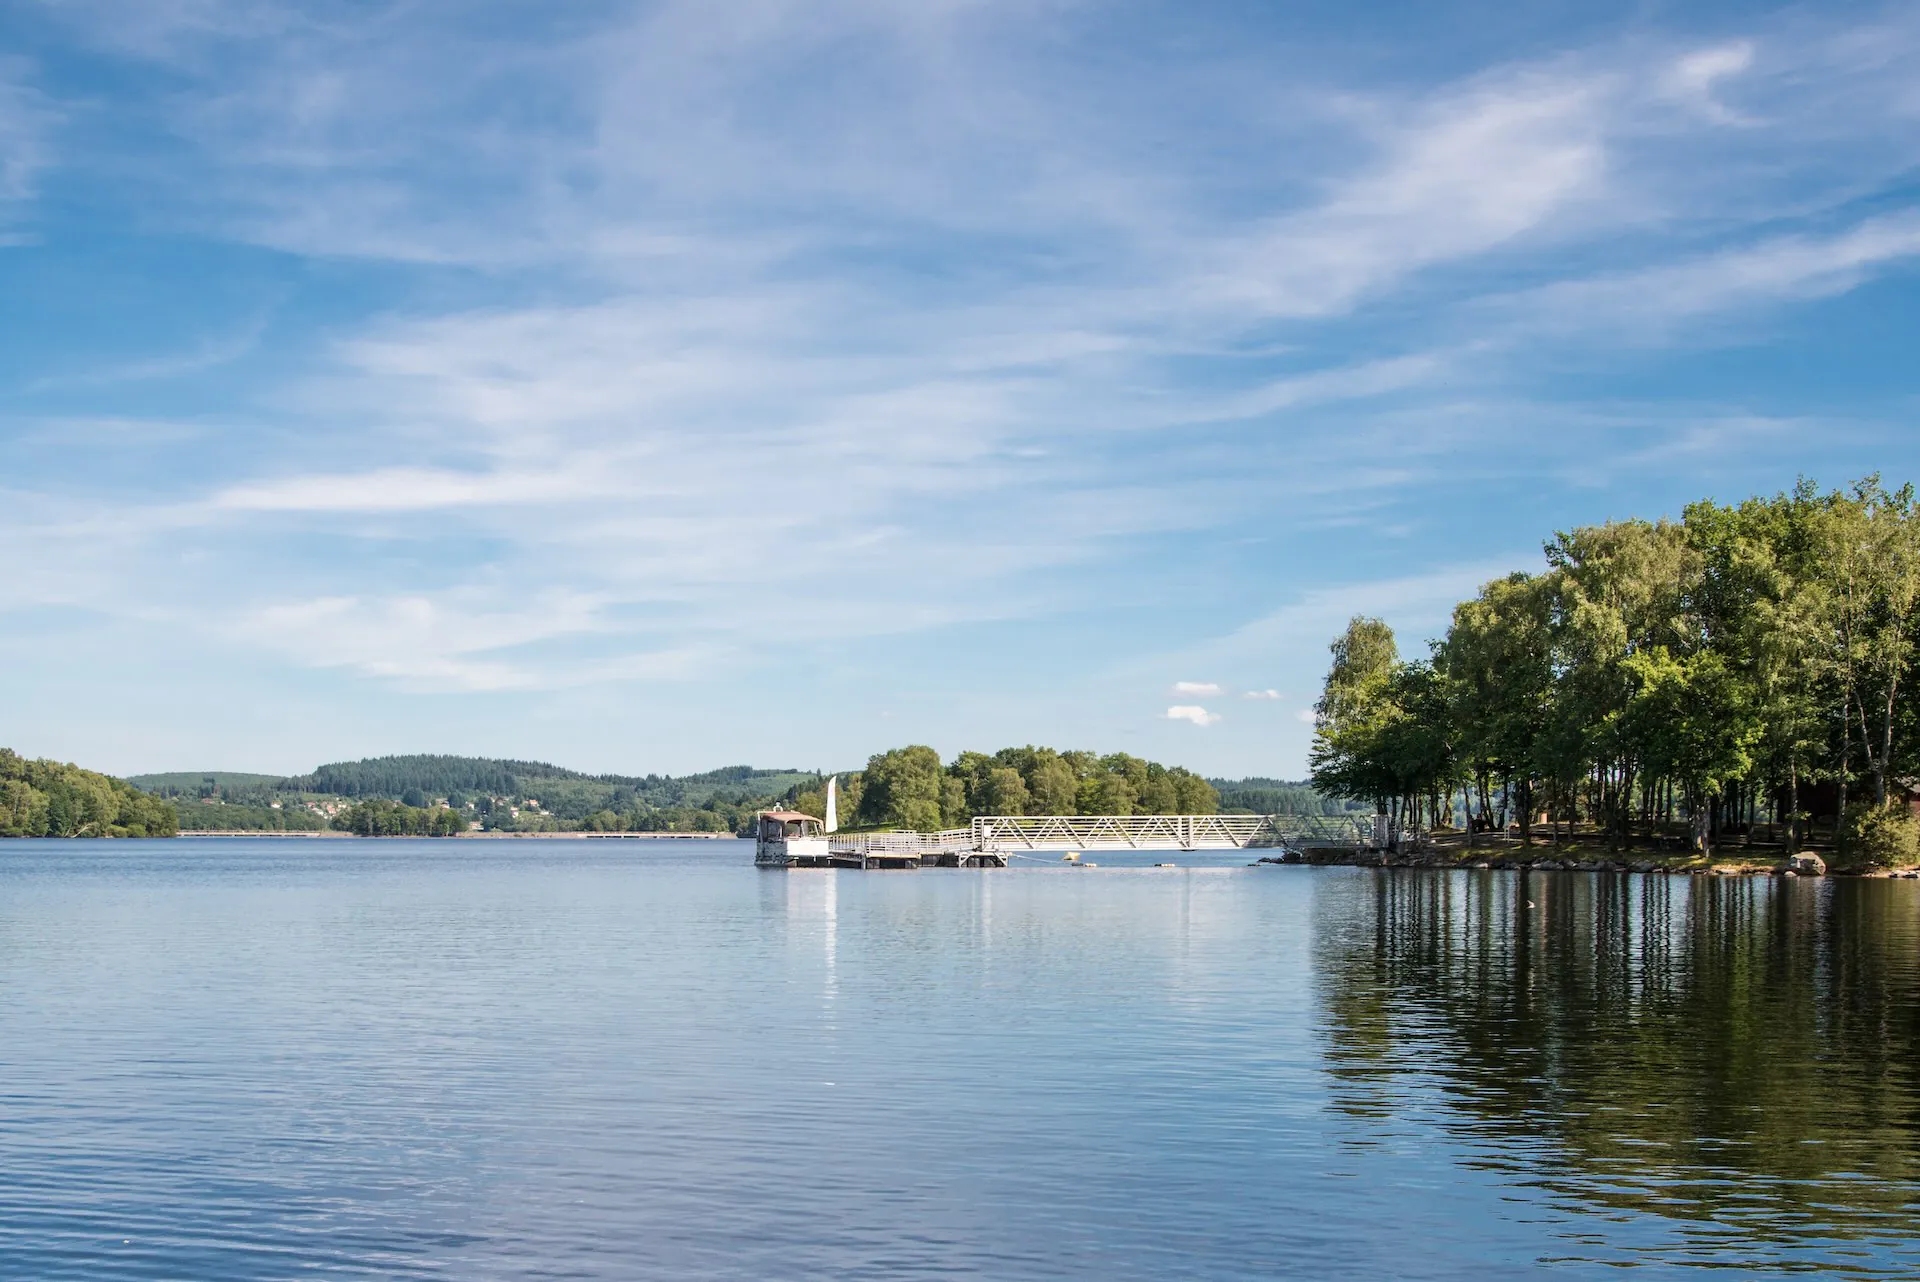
(1710, 668)
(48, 799)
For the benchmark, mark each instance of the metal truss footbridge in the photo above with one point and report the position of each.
(992, 839)
(1012, 833)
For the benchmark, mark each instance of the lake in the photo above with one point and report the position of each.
(263, 1059)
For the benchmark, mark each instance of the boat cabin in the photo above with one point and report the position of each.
(789, 838)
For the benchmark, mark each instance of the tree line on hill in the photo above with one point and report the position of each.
(1261, 796)
(49, 799)
(1743, 662)
(428, 776)
(904, 787)
(506, 795)
(427, 795)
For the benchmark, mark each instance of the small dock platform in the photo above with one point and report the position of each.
(900, 860)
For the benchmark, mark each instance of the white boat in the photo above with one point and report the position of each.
(789, 839)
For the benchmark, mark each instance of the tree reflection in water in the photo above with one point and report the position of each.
(1738, 1056)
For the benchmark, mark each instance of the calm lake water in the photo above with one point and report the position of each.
(276, 1059)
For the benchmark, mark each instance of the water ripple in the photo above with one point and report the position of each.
(263, 1060)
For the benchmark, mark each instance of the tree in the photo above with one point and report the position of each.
(1192, 795)
(904, 788)
(1693, 721)
(1353, 713)
(1052, 786)
(1874, 546)
(1497, 664)
(1621, 588)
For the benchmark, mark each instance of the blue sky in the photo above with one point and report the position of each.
(657, 386)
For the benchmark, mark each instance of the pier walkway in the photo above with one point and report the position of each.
(991, 840)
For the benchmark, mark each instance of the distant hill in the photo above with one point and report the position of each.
(440, 775)
(516, 795)
(1263, 796)
(501, 792)
(190, 783)
(445, 776)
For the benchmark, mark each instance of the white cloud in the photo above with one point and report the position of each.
(25, 118)
(719, 386)
(1649, 304)
(1199, 716)
(1417, 605)
(1694, 76)
(1305, 716)
(1262, 694)
(433, 642)
(205, 355)
(1457, 176)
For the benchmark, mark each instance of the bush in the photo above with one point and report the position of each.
(1878, 836)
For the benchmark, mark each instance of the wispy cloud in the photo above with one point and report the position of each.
(1694, 78)
(208, 354)
(26, 116)
(454, 641)
(1650, 304)
(652, 320)
(1417, 605)
(1468, 172)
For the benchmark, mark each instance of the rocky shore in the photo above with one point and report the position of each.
(1804, 864)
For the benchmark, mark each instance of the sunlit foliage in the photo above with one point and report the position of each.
(1713, 671)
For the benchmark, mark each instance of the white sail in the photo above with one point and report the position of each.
(833, 803)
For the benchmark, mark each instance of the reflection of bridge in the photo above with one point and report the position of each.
(993, 839)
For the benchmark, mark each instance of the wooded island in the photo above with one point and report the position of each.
(1748, 663)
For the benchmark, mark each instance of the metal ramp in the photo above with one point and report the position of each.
(991, 840)
(1163, 832)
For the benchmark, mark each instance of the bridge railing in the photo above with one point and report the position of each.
(952, 841)
(1161, 832)
(1004, 833)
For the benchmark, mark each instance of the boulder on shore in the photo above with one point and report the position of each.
(1807, 864)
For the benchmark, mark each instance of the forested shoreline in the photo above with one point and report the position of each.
(50, 799)
(428, 795)
(1748, 663)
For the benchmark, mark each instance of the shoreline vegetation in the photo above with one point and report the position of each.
(447, 796)
(51, 799)
(1742, 677)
